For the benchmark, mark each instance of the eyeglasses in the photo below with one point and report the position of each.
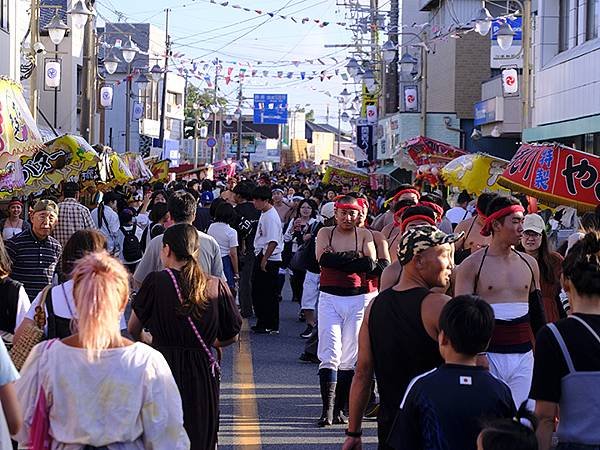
(531, 234)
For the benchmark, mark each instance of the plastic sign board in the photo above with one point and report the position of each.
(510, 82)
(52, 77)
(270, 109)
(364, 140)
(372, 114)
(411, 99)
(106, 96)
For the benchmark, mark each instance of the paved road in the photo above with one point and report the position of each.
(271, 400)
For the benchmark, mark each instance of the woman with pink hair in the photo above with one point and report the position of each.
(100, 388)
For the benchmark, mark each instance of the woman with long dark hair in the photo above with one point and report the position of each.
(188, 312)
(306, 215)
(534, 242)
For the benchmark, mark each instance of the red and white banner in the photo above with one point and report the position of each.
(411, 100)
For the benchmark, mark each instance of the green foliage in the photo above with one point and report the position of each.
(205, 100)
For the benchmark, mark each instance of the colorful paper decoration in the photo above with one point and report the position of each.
(475, 173)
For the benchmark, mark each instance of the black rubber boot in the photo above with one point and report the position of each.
(342, 396)
(327, 397)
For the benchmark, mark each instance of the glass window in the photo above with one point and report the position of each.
(563, 25)
(4, 14)
(592, 11)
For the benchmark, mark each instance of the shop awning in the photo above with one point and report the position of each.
(390, 170)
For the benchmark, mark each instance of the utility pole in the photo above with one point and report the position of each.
(196, 139)
(526, 63)
(128, 109)
(391, 83)
(161, 134)
(88, 94)
(423, 121)
(339, 128)
(239, 124)
(212, 149)
(34, 37)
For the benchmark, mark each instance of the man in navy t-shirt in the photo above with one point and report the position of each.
(445, 408)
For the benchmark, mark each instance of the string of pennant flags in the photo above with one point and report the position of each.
(301, 20)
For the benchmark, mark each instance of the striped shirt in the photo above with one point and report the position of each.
(72, 217)
(33, 260)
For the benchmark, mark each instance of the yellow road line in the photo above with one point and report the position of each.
(246, 426)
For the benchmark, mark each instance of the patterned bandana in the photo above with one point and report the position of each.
(421, 238)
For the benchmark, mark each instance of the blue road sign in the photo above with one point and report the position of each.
(270, 109)
(211, 142)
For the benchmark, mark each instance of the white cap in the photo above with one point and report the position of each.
(533, 222)
(327, 210)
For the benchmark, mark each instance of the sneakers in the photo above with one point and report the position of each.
(260, 330)
(307, 332)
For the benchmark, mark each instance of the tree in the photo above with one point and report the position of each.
(204, 99)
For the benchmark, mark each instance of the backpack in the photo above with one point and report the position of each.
(132, 250)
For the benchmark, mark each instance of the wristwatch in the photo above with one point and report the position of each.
(353, 434)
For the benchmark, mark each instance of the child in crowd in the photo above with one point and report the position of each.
(510, 434)
(443, 408)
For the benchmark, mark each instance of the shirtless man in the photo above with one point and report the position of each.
(412, 216)
(346, 253)
(404, 192)
(509, 281)
(392, 231)
(381, 247)
(472, 227)
(398, 338)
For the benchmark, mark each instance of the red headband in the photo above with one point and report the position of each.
(487, 228)
(15, 202)
(398, 216)
(407, 191)
(352, 206)
(363, 203)
(437, 209)
(480, 213)
(410, 219)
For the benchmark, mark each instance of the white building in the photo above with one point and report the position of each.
(565, 102)
(151, 42)
(10, 16)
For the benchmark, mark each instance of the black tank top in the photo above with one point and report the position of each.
(402, 349)
(9, 301)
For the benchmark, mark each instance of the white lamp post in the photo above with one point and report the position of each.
(505, 35)
(57, 29)
(483, 21)
(111, 62)
(389, 51)
(129, 50)
(407, 63)
(156, 72)
(80, 14)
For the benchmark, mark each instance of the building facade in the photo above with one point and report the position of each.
(565, 103)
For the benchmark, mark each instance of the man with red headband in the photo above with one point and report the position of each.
(509, 281)
(472, 227)
(404, 192)
(398, 338)
(346, 254)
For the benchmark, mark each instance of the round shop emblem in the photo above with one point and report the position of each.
(510, 80)
(410, 98)
(52, 72)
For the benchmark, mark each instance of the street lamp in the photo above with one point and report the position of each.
(129, 50)
(345, 94)
(80, 14)
(352, 67)
(156, 72)
(358, 76)
(389, 51)
(369, 79)
(57, 29)
(206, 114)
(407, 63)
(142, 81)
(483, 21)
(228, 120)
(111, 62)
(505, 35)
(345, 116)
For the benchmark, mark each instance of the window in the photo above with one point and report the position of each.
(4, 14)
(563, 26)
(592, 12)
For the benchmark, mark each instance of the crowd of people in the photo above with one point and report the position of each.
(463, 327)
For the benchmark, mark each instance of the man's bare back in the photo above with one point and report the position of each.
(473, 239)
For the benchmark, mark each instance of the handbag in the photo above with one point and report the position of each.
(39, 435)
(299, 259)
(215, 369)
(32, 335)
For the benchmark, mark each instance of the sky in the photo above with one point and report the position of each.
(205, 31)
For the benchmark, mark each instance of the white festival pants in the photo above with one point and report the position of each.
(516, 370)
(339, 321)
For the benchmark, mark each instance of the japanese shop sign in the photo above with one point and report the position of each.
(556, 174)
(364, 139)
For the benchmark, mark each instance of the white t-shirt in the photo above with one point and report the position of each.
(269, 230)
(62, 303)
(225, 236)
(457, 214)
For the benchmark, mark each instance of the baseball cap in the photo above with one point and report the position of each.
(206, 197)
(46, 205)
(421, 238)
(534, 222)
(327, 210)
